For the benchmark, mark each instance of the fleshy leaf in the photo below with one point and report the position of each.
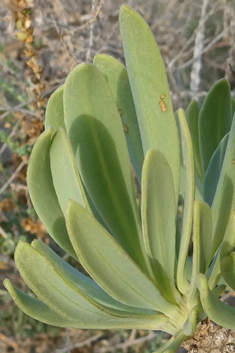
(219, 312)
(214, 170)
(55, 110)
(97, 138)
(40, 311)
(224, 199)
(159, 221)
(148, 81)
(173, 344)
(192, 115)
(66, 299)
(105, 260)
(228, 269)
(84, 283)
(190, 324)
(225, 248)
(43, 194)
(117, 78)
(215, 120)
(188, 196)
(36, 308)
(65, 176)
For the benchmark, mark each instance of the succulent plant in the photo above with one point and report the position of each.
(135, 252)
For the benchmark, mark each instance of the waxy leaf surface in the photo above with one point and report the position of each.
(117, 78)
(215, 120)
(43, 194)
(65, 176)
(109, 265)
(55, 110)
(150, 90)
(219, 312)
(159, 220)
(66, 299)
(97, 138)
(213, 171)
(187, 163)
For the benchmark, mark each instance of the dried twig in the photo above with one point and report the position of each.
(91, 37)
(4, 146)
(81, 344)
(198, 49)
(208, 47)
(191, 39)
(128, 343)
(16, 108)
(14, 175)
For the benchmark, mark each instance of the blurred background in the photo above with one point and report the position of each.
(41, 41)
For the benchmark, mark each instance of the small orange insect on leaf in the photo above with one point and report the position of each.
(162, 103)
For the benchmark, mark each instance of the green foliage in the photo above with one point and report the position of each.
(81, 185)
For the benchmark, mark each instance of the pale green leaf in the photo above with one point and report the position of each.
(228, 269)
(110, 266)
(159, 221)
(173, 343)
(150, 90)
(66, 299)
(224, 199)
(190, 324)
(213, 171)
(84, 283)
(55, 110)
(188, 197)
(215, 120)
(192, 115)
(36, 308)
(219, 312)
(65, 176)
(97, 138)
(117, 78)
(43, 194)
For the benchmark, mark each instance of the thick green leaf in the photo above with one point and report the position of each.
(40, 311)
(110, 266)
(65, 176)
(202, 242)
(192, 295)
(205, 233)
(215, 120)
(228, 269)
(150, 90)
(159, 221)
(66, 299)
(84, 283)
(98, 142)
(55, 110)
(192, 115)
(213, 171)
(219, 312)
(224, 199)
(198, 188)
(188, 196)
(43, 194)
(190, 324)
(36, 308)
(226, 247)
(220, 289)
(116, 75)
(173, 344)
